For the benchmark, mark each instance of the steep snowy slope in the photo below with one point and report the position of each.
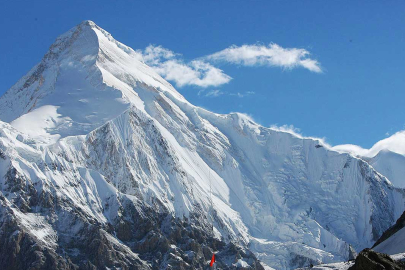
(391, 165)
(386, 156)
(55, 214)
(119, 139)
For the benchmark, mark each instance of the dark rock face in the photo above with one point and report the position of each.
(371, 260)
(19, 250)
(141, 238)
(391, 231)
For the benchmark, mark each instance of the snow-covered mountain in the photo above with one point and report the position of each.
(103, 163)
(386, 156)
(391, 165)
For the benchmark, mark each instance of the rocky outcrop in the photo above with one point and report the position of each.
(371, 260)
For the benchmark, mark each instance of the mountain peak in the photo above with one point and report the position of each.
(88, 23)
(85, 79)
(83, 36)
(83, 25)
(83, 40)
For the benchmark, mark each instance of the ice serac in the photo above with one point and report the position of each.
(99, 144)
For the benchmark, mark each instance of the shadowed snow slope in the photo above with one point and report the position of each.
(393, 240)
(120, 131)
(393, 245)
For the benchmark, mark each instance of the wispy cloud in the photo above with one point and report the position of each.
(297, 133)
(214, 93)
(288, 129)
(171, 67)
(243, 94)
(271, 55)
(217, 93)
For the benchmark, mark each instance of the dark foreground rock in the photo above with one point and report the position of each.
(368, 259)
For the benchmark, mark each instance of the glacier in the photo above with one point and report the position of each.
(94, 144)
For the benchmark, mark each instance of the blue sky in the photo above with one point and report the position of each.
(358, 97)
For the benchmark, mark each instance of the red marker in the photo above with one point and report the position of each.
(212, 260)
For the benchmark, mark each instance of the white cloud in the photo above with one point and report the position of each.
(202, 73)
(352, 149)
(271, 55)
(394, 143)
(172, 68)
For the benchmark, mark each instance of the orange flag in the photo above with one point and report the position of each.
(212, 260)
